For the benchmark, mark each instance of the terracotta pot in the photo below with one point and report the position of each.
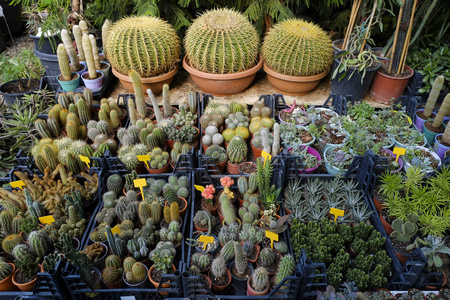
(386, 89)
(170, 144)
(115, 285)
(444, 282)
(241, 166)
(233, 168)
(293, 85)
(256, 151)
(257, 249)
(222, 84)
(182, 211)
(218, 289)
(402, 257)
(216, 205)
(252, 292)
(165, 169)
(24, 287)
(377, 203)
(388, 291)
(7, 284)
(386, 225)
(156, 283)
(153, 83)
(209, 285)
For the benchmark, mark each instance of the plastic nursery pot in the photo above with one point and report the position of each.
(418, 122)
(97, 284)
(141, 284)
(182, 211)
(222, 84)
(444, 282)
(219, 288)
(70, 85)
(387, 227)
(399, 161)
(293, 85)
(154, 83)
(115, 285)
(255, 254)
(233, 168)
(11, 98)
(81, 71)
(314, 152)
(7, 284)
(46, 46)
(24, 287)
(165, 169)
(282, 114)
(400, 145)
(386, 89)
(332, 170)
(429, 134)
(215, 206)
(93, 84)
(252, 292)
(239, 284)
(105, 68)
(407, 165)
(156, 283)
(441, 149)
(352, 86)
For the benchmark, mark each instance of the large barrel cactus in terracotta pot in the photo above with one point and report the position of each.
(147, 45)
(296, 51)
(222, 52)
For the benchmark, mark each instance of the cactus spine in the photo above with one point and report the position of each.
(240, 260)
(237, 150)
(166, 101)
(285, 268)
(260, 279)
(38, 243)
(87, 47)
(63, 61)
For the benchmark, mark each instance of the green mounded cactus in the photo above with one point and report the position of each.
(267, 257)
(229, 233)
(242, 184)
(171, 213)
(172, 233)
(17, 224)
(6, 219)
(115, 183)
(260, 279)
(281, 247)
(404, 231)
(217, 153)
(137, 274)
(285, 268)
(252, 183)
(63, 61)
(201, 260)
(5, 269)
(227, 252)
(237, 150)
(297, 48)
(221, 41)
(129, 40)
(111, 274)
(251, 233)
(10, 242)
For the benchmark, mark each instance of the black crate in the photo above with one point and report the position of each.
(78, 288)
(409, 103)
(336, 101)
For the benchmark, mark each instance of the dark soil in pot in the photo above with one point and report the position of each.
(156, 275)
(420, 115)
(248, 168)
(219, 281)
(305, 136)
(21, 278)
(386, 217)
(334, 139)
(439, 139)
(246, 274)
(86, 76)
(14, 87)
(401, 246)
(74, 76)
(384, 69)
(429, 126)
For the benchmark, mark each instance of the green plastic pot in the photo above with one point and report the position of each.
(430, 135)
(70, 85)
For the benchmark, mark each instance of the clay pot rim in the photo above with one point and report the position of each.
(13, 278)
(144, 80)
(291, 78)
(410, 70)
(13, 266)
(230, 76)
(73, 73)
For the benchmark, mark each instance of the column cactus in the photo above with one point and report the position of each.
(78, 35)
(276, 140)
(260, 279)
(240, 261)
(132, 111)
(443, 110)
(138, 94)
(68, 43)
(432, 98)
(105, 28)
(87, 46)
(63, 61)
(158, 115)
(227, 209)
(83, 26)
(166, 101)
(285, 268)
(95, 52)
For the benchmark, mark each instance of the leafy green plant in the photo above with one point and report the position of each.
(268, 193)
(350, 61)
(433, 246)
(339, 157)
(421, 159)
(23, 65)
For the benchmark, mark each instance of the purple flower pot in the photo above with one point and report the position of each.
(93, 84)
(440, 148)
(82, 70)
(419, 121)
(312, 151)
(400, 161)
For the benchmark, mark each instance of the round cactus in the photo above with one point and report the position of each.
(267, 257)
(10, 242)
(260, 279)
(115, 183)
(297, 48)
(222, 41)
(110, 274)
(237, 150)
(131, 41)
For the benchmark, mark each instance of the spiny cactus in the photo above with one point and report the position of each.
(129, 40)
(63, 61)
(5, 269)
(138, 93)
(78, 35)
(227, 208)
(237, 150)
(10, 242)
(113, 261)
(267, 257)
(240, 260)
(260, 279)
(38, 243)
(221, 41)
(105, 29)
(111, 274)
(218, 267)
(201, 259)
(115, 183)
(137, 274)
(6, 219)
(285, 268)
(297, 48)
(249, 249)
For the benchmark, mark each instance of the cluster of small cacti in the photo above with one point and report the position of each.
(217, 153)
(172, 233)
(136, 273)
(74, 225)
(251, 233)
(94, 251)
(229, 233)
(138, 248)
(212, 136)
(158, 158)
(214, 115)
(185, 116)
(186, 134)
(162, 256)
(201, 260)
(178, 149)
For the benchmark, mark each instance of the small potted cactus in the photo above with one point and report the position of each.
(202, 260)
(221, 66)
(25, 275)
(269, 259)
(219, 157)
(68, 80)
(162, 257)
(296, 73)
(210, 202)
(92, 79)
(134, 273)
(258, 283)
(75, 63)
(159, 161)
(219, 274)
(112, 273)
(241, 270)
(237, 154)
(6, 272)
(132, 37)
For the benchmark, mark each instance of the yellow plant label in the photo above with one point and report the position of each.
(140, 183)
(266, 156)
(115, 229)
(206, 239)
(46, 219)
(86, 160)
(199, 188)
(399, 151)
(18, 184)
(145, 159)
(336, 212)
(272, 236)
